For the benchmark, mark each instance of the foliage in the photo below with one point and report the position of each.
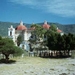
(7, 47)
(39, 31)
(52, 40)
(0, 38)
(58, 42)
(53, 27)
(19, 40)
(52, 31)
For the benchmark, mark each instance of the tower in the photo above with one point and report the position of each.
(11, 33)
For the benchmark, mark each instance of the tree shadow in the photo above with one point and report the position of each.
(7, 61)
(56, 57)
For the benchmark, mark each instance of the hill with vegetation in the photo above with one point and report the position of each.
(68, 28)
(5, 25)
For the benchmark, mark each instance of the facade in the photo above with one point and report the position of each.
(25, 32)
(22, 31)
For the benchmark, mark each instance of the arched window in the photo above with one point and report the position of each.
(10, 33)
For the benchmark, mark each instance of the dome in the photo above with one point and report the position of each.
(59, 31)
(45, 25)
(21, 26)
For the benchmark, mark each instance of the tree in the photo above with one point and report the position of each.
(60, 43)
(53, 27)
(19, 40)
(52, 40)
(0, 37)
(39, 31)
(7, 47)
(70, 42)
(51, 31)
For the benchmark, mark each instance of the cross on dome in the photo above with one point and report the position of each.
(21, 22)
(45, 25)
(45, 22)
(11, 26)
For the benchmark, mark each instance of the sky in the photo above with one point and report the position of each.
(36, 11)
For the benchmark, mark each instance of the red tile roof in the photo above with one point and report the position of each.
(21, 26)
(45, 25)
(59, 31)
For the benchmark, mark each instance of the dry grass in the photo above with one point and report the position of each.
(38, 66)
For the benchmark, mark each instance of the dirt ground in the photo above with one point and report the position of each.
(38, 66)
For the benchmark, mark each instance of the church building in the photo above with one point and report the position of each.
(25, 32)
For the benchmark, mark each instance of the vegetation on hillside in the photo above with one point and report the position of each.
(5, 25)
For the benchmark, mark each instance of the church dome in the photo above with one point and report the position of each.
(45, 25)
(21, 26)
(59, 31)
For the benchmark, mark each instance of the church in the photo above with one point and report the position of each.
(25, 32)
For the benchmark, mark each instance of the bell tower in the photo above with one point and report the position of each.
(11, 33)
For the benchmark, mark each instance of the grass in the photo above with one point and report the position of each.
(36, 66)
(39, 61)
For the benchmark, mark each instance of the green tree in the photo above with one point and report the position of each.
(52, 40)
(62, 43)
(7, 47)
(39, 31)
(51, 31)
(0, 37)
(70, 45)
(19, 40)
(73, 43)
(53, 27)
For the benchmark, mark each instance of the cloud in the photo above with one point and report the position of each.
(64, 8)
(24, 2)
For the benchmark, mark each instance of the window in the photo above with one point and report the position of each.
(10, 33)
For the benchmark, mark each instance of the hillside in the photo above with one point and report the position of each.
(69, 28)
(5, 25)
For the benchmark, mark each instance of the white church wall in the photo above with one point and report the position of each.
(11, 33)
(25, 45)
(28, 35)
(25, 35)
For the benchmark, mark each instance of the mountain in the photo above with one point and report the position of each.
(5, 25)
(69, 28)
